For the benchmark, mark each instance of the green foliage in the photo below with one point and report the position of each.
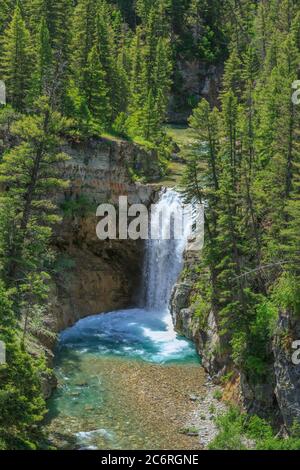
(44, 66)
(238, 430)
(21, 402)
(17, 60)
(120, 125)
(251, 348)
(78, 207)
(230, 427)
(244, 164)
(218, 395)
(201, 310)
(77, 109)
(97, 93)
(30, 172)
(286, 293)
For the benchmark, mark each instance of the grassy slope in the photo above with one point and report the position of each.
(181, 135)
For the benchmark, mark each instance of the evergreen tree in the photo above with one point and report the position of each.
(104, 41)
(96, 90)
(17, 61)
(136, 82)
(77, 109)
(44, 67)
(22, 406)
(83, 38)
(6, 8)
(30, 172)
(150, 77)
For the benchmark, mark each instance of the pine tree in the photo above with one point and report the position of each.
(57, 16)
(83, 38)
(150, 77)
(136, 83)
(144, 7)
(149, 118)
(44, 67)
(17, 61)
(278, 128)
(205, 125)
(96, 90)
(30, 172)
(6, 7)
(150, 47)
(77, 109)
(104, 40)
(21, 402)
(161, 77)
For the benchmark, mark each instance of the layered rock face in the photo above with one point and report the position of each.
(197, 80)
(207, 339)
(95, 275)
(279, 396)
(287, 373)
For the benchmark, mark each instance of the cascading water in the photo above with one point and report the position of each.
(164, 256)
(145, 333)
(128, 340)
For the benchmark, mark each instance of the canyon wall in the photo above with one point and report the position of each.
(195, 80)
(279, 396)
(94, 275)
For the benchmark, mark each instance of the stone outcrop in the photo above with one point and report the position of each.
(287, 373)
(197, 80)
(279, 395)
(97, 276)
(207, 340)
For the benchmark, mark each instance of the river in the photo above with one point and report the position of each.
(126, 378)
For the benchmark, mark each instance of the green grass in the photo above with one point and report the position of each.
(183, 138)
(113, 137)
(174, 173)
(182, 135)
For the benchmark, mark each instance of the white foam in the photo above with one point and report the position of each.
(84, 436)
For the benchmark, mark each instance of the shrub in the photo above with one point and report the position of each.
(236, 428)
(79, 207)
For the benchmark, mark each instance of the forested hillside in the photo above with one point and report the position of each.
(106, 74)
(247, 172)
(82, 69)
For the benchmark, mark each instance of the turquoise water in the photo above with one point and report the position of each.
(124, 377)
(132, 334)
(92, 407)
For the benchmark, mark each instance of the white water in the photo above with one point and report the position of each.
(145, 333)
(164, 258)
(85, 402)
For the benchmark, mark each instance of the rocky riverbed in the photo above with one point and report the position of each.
(127, 405)
(133, 405)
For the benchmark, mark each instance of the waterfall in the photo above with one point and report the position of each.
(122, 341)
(164, 257)
(147, 332)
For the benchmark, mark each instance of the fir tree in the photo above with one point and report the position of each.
(21, 402)
(83, 37)
(96, 90)
(44, 70)
(30, 172)
(17, 61)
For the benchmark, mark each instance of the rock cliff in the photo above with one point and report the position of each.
(287, 373)
(93, 275)
(194, 80)
(279, 396)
